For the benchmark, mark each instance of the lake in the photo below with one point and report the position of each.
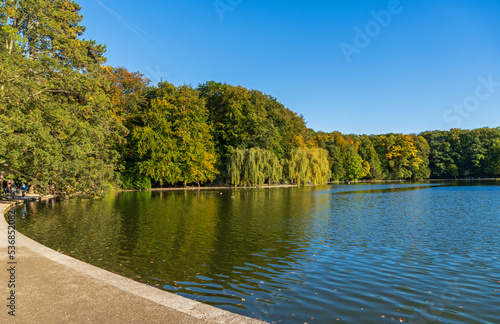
(359, 253)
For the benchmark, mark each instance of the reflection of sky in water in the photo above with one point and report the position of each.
(359, 253)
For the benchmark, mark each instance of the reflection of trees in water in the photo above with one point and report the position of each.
(164, 238)
(82, 228)
(256, 249)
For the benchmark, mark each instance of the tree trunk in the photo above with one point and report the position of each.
(32, 186)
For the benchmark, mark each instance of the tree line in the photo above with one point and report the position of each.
(69, 121)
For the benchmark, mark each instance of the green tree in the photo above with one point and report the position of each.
(369, 154)
(474, 148)
(420, 168)
(492, 160)
(127, 92)
(55, 121)
(243, 119)
(441, 161)
(353, 164)
(460, 152)
(174, 139)
(337, 162)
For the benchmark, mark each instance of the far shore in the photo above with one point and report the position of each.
(411, 180)
(219, 187)
(266, 186)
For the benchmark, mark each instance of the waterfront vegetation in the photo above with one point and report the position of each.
(70, 122)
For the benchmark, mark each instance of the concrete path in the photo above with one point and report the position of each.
(51, 287)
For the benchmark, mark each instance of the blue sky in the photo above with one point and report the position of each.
(363, 67)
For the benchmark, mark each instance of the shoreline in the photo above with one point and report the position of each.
(193, 188)
(221, 187)
(411, 180)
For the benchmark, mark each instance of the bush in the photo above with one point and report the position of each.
(132, 181)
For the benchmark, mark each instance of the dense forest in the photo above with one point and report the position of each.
(70, 122)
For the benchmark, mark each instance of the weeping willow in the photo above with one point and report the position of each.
(298, 166)
(308, 166)
(235, 167)
(319, 167)
(272, 168)
(253, 167)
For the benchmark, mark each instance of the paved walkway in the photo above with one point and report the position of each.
(51, 287)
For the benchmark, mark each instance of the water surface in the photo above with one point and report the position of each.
(363, 253)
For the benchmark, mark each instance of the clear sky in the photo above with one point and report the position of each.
(363, 67)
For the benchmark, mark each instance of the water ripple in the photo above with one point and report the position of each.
(380, 253)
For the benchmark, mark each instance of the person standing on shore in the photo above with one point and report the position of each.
(13, 189)
(9, 185)
(23, 188)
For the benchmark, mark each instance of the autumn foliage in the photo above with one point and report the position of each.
(69, 121)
